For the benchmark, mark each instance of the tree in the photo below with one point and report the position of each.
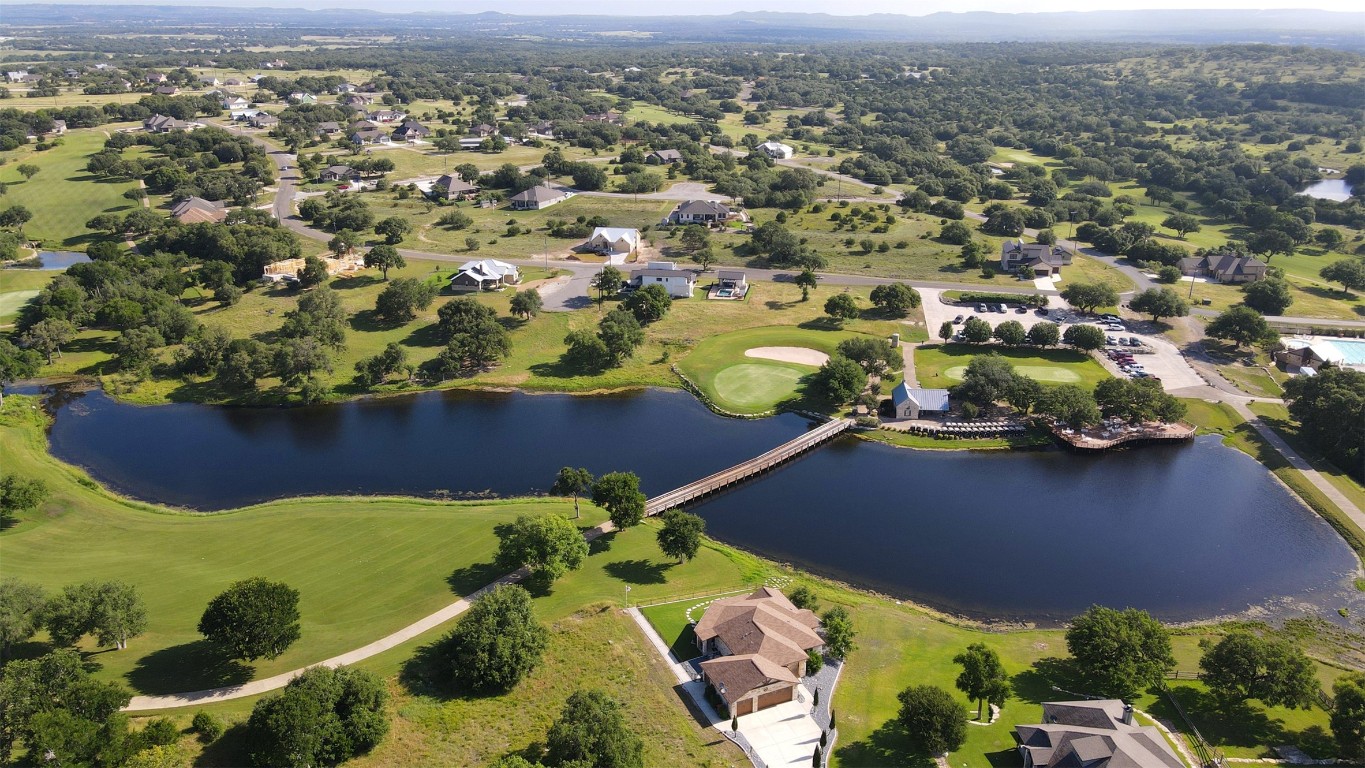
(695, 237)
(112, 611)
(1270, 242)
(806, 280)
(548, 545)
(1245, 666)
(15, 364)
(895, 299)
(839, 380)
(619, 494)
(526, 304)
(15, 216)
(375, 368)
(1011, 333)
(50, 703)
(620, 334)
(588, 177)
(314, 272)
(1350, 273)
(841, 306)
(401, 300)
(394, 229)
(1044, 334)
(1087, 297)
(976, 331)
(1242, 325)
(27, 170)
(934, 723)
(47, 337)
(572, 482)
(1168, 274)
(705, 257)
(455, 220)
(803, 597)
(586, 351)
(680, 535)
(20, 494)
(1069, 404)
(649, 303)
(875, 356)
(1119, 653)
(592, 731)
(384, 258)
(1159, 303)
(955, 233)
(254, 618)
(839, 633)
(1348, 714)
(1270, 296)
(1084, 337)
(498, 641)
(324, 716)
(607, 282)
(946, 330)
(1182, 223)
(1330, 409)
(983, 677)
(21, 612)
(1329, 238)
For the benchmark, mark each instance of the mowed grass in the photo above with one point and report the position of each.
(363, 567)
(943, 365)
(62, 196)
(735, 382)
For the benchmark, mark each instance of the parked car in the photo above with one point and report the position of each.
(1041, 311)
(958, 319)
(1021, 311)
(1002, 309)
(981, 308)
(1115, 318)
(1135, 341)
(1111, 341)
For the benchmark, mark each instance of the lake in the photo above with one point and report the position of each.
(1185, 532)
(1329, 189)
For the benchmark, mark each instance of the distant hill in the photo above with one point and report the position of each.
(1330, 28)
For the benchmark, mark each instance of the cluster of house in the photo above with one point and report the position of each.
(757, 647)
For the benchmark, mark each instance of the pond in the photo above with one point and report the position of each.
(58, 260)
(1185, 532)
(1329, 189)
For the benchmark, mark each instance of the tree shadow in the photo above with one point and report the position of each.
(427, 672)
(226, 751)
(194, 666)
(601, 544)
(425, 336)
(561, 369)
(369, 321)
(1005, 758)
(822, 324)
(355, 281)
(471, 578)
(888, 745)
(1223, 723)
(638, 571)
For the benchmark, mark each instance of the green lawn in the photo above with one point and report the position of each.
(1277, 417)
(62, 197)
(942, 365)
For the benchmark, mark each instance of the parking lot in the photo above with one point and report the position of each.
(1158, 357)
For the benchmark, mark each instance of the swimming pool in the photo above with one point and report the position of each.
(1352, 351)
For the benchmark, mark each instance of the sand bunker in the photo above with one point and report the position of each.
(799, 355)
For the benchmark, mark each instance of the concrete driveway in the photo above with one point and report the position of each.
(784, 735)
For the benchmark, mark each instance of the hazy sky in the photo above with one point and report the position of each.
(638, 8)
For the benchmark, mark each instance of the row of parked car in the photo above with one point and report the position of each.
(1128, 365)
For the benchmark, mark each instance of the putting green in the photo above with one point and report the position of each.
(12, 301)
(1048, 373)
(757, 385)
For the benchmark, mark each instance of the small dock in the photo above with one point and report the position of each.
(755, 466)
(1103, 439)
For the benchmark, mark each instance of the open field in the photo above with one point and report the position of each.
(743, 384)
(62, 196)
(943, 365)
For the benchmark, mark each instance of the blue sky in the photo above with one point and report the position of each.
(637, 8)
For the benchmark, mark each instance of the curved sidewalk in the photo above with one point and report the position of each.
(265, 685)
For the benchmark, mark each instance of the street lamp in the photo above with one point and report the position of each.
(627, 595)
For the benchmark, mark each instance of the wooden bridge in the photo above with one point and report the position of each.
(741, 472)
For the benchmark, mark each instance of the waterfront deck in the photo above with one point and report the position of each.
(741, 472)
(1105, 438)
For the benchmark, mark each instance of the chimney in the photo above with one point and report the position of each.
(1127, 714)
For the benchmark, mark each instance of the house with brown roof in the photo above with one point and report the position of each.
(664, 157)
(1224, 267)
(538, 197)
(197, 210)
(452, 187)
(1093, 734)
(759, 644)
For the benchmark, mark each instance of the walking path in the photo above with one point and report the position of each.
(1298, 462)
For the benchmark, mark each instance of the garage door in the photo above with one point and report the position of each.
(773, 698)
